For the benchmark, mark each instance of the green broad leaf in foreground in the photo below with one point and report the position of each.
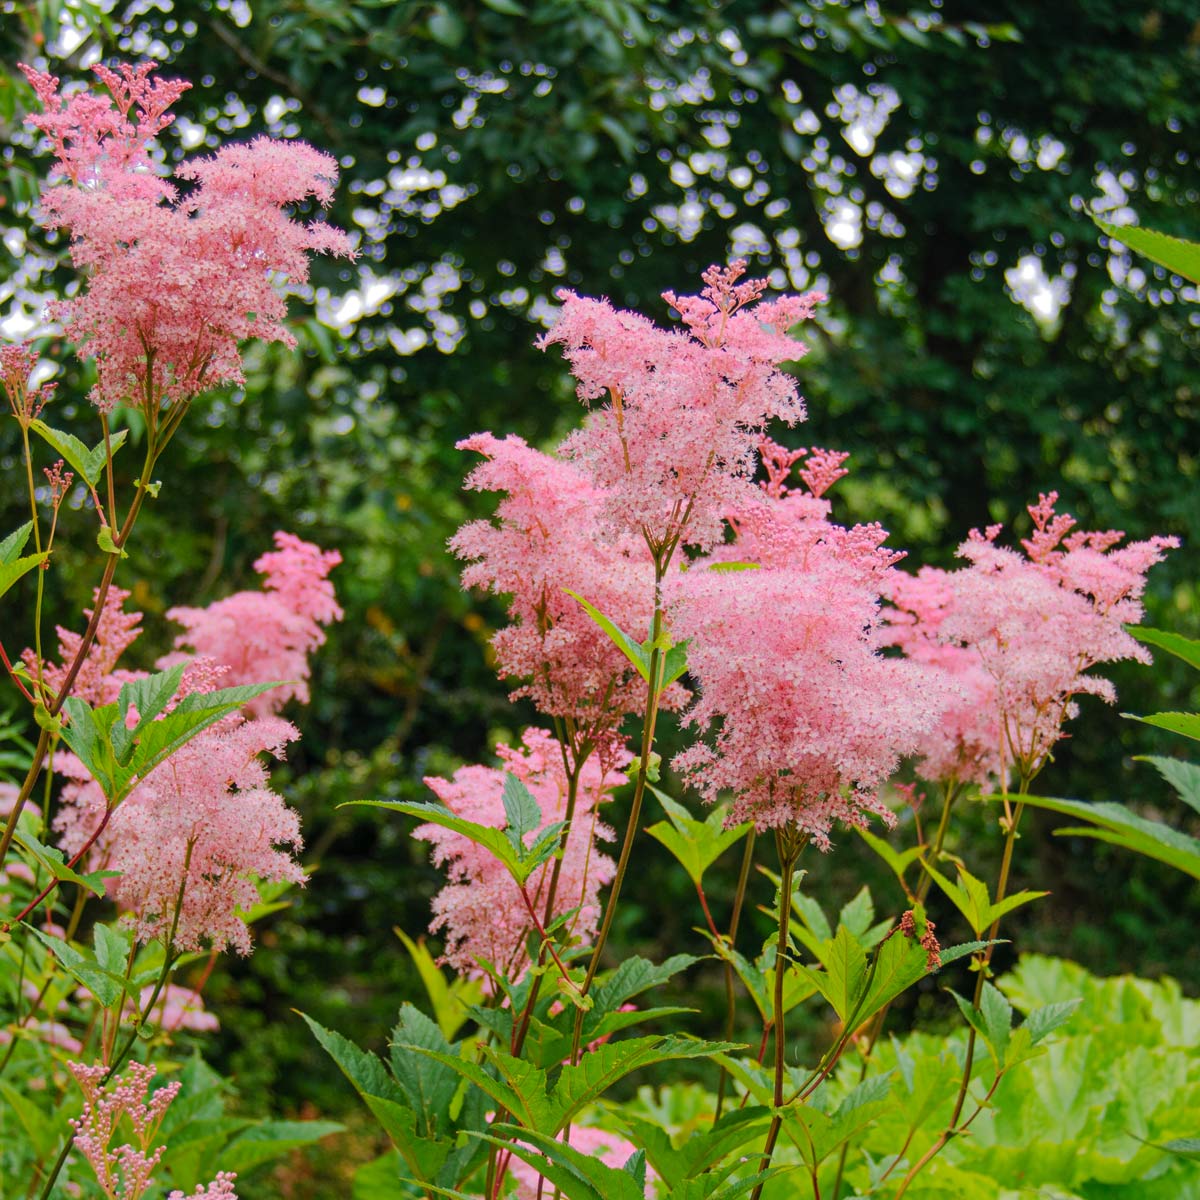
(1176, 254)
(673, 655)
(1114, 823)
(992, 1020)
(577, 1175)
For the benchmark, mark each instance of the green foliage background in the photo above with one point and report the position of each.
(555, 136)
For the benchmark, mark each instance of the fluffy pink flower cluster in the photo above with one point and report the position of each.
(548, 539)
(1042, 619)
(268, 635)
(174, 282)
(610, 1148)
(965, 746)
(480, 909)
(124, 1171)
(674, 446)
(808, 718)
(207, 814)
(206, 819)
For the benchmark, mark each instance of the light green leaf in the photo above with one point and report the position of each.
(1114, 823)
(12, 570)
(87, 464)
(1184, 777)
(897, 860)
(107, 543)
(272, 1139)
(450, 1002)
(1178, 256)
(1188, 724)
(11, 546)
(521, 812)
(631, 649)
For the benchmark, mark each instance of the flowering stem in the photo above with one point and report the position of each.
(730, 998)
(653, 693)
(789, 845)
(55, 706)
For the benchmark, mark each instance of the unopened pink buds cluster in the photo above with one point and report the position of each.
(16, 367)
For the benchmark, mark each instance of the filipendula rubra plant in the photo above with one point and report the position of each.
(164, 805)
(645, 567)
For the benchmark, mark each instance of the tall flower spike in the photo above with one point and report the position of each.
(548, 539)
(1040, 621)
(674, 445)
(173, 284)
(480, 909)
(267, 636)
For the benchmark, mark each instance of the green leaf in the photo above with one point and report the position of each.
(521, 812)
(364, 1070)
(578, 1175)
(674, 663)
(53, 861)
(971, 898)
(992, 1020)
(1114, 823)
(1187, 724)
(429, 1087)
(11, 546)
(12, 570)
(696, 844)
(270, 1140)
(897, 860)
(450, 1002)
(106, 986)
(107, 543)
(42, 1130)
(631, 649)
(1177, 255)
(1043, 1021)
(87, 464)
(1184, 777)
(818, 1134)
(436, 813)
(845, 970)
(633, 977)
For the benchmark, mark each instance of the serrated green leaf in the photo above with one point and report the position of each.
(106, 987)
(1043, 1021)
(87, 464)
(12, 570)
(429, 1086)
(53, 860)
(1177, 255)
(11, 546)
(897, 860)
(271, 1140)
(576, 1174)
(521, 812)
(1184, 777)
(1187, 724)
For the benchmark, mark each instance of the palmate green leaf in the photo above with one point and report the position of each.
(1187, 649)
(11, 571)
(696, 844)
(1185, 723)
(1177, 255)
(1184, 777)
(1114, 823)
(87, 464)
